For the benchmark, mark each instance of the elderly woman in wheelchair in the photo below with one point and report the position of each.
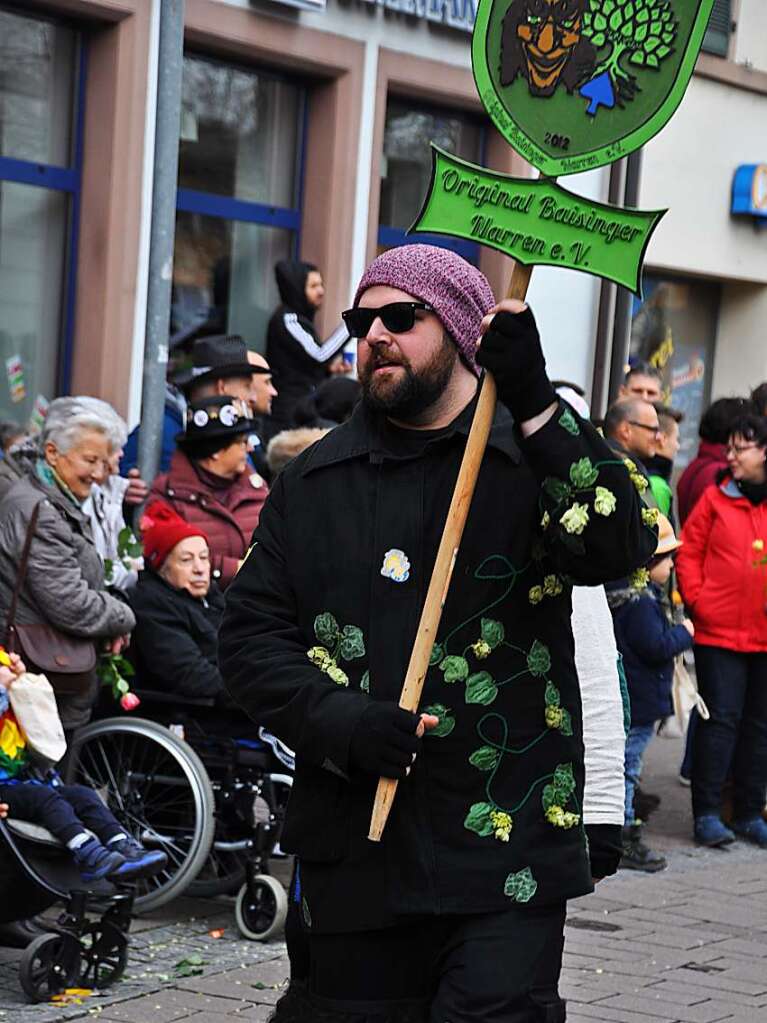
(192, 775)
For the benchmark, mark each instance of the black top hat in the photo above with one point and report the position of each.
(217, 357)
(223, 418)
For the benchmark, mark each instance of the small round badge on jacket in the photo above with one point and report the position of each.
(256, 481)
(396, 566)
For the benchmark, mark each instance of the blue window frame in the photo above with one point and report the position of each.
(406, 167)
(238, 206)
(64, 179)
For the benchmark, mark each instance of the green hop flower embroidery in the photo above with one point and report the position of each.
(650, 516)
(561, 818)
(557, 489)
(365, 682)
(502, 825)
(481, 649)
(446, 720)
(535, 595)
(552, 586)
(604, 501)
(539, 659)
(554, 716)
(456, 669)
(337, 675)
(545, 521)
(639, 482)
(630, 465)
(521, 887)
(583, 474)
(568, 422)
(639, 578)
(576, 518)
(319, 656)
(485, 758)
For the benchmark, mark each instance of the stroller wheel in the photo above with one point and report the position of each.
(49, 965)
(105, 955)
(261, 908)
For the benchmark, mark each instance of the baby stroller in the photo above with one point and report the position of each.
(88, 945)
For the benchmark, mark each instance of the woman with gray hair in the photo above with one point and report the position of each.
(61, 589)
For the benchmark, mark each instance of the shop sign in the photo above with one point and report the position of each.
(459, 14)
(749, 191)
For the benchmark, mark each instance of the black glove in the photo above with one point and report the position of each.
(384, 740)
(605, 848)
(511, 351)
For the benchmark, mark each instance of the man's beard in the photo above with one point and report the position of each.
(413, 392)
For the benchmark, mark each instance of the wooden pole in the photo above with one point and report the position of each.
(446, 557)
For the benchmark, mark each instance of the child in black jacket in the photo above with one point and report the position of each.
(648, 643)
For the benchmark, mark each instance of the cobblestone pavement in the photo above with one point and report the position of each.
(685, 946)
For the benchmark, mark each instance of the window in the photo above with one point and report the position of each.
(41, 87)
(406, 168)
(674, 328)
(238, 206)
(717, 37)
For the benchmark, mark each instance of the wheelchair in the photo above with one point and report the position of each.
(214, 804)
(78, 951)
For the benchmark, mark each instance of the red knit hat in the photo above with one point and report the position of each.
(161, 530)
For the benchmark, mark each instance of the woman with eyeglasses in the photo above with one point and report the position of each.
(722, 571)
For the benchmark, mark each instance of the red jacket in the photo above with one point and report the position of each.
(699, 474)
(228, 515)
(723, 589)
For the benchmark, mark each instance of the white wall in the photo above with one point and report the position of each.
(689, 168)
(741, 350)
(751, 34)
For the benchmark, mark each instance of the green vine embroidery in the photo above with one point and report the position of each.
(556, 716)
(346, 643)
(556, 795)
(522, 886)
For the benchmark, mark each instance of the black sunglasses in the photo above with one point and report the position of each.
(397, 317)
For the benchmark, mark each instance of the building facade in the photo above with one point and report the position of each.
(304, 132)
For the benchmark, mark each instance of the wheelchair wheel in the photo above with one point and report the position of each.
(49, 965)
(261, 909)
(104, 951)
(157, 788)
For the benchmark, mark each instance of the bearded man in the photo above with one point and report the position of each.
(458, 914)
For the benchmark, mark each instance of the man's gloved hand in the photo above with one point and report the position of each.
(511, 350)
(384, 741)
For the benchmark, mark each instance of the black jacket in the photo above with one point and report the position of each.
(174, 646)
(296, 356)
(322, 618)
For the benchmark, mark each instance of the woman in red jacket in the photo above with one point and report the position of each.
(722, 572)
(209, 483)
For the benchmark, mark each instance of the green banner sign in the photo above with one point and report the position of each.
(577, 84)
(535, 221)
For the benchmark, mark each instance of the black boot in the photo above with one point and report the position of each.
(636, 855)
(645, 803)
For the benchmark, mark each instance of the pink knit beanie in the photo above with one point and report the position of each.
(459, 294)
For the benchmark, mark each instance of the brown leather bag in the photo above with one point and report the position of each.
(66, 661)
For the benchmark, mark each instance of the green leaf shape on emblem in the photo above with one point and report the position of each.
(568, 422)
(557, 489)
(456, 668)
(492, 632)
(485, 758)
(478, 819)
(522, 886)
(583, 474)
(352, 643)
(437, 653)
(365, 682)
(539, 659)
(564, 782)
(446, 720)
(566, 728)
(481, 688)
(326, 629)
(551, 695)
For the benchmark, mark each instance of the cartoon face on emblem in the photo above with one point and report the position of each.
(542, 40)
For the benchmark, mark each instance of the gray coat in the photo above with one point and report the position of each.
(64, 587)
